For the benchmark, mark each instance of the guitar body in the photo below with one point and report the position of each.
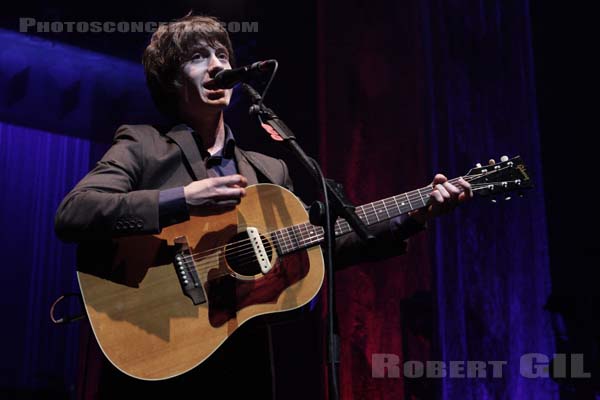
(150, 329)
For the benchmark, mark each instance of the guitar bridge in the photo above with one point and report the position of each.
(185, 270)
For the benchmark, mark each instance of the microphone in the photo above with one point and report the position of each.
(227, 78)
(250, 92)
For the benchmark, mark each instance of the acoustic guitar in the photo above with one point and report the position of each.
(168, 301)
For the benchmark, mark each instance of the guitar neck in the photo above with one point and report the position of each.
(306, 235)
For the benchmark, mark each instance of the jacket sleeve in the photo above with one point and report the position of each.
(106, 202)
(391, 240)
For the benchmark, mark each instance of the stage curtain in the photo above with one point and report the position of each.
(37, 168)
(371, 112)
(408, 89)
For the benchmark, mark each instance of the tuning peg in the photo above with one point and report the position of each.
(494, 200)
(507, 198)
(478, 165)
(504, 158)
(492, 161)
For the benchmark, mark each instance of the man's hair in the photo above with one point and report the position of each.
(172, 45)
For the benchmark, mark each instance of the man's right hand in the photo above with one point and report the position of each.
(219, 191)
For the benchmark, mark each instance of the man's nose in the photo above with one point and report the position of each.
(215, 66)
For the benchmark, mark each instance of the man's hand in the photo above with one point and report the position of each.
(220, 191)
(443, 198)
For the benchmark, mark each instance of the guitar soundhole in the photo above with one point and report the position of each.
(239, 254)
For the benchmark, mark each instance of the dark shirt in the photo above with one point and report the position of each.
(171, 202)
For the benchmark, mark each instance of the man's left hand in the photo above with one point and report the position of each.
(443, 198)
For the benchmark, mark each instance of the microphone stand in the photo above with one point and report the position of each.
(339, 206)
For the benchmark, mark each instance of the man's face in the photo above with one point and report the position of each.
(204, 64)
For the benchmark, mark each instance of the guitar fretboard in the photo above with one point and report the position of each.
(306, 235)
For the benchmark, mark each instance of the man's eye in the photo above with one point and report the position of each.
(223, 56)
(196, 56)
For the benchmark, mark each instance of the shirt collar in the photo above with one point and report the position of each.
(228, 146)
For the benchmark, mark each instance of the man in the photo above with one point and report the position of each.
(149, 180)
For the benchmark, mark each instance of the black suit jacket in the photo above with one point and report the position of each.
(120, 195)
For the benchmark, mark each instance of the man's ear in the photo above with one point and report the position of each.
(181, 90)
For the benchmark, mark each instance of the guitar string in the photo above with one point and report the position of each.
(214, 263)
(236, 249)
(245, 244)
(208, 263)
(216, 257)
(304, 241)
(308, 240)
(413, 194)
(413, 197)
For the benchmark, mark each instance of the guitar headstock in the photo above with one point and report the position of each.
(495, 178)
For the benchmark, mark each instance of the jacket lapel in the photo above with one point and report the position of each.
(246, 164)
(181, 135)
(244, 167)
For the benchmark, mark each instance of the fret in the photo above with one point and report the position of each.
(346, 226)
(319, 231)
(374, 212)
(295, 236)
(281, 241)
(309, 232)
(318, 237)
(427, 192)
(285, 233)
(403, 204)
(386, 208)
(275, 241)
(300, 230)
(303, 237)
(305, 228)
(407, 199)
(338, 225)
(287, 239)
(383, 209)
(421, 196)
(397, 204)
(302, 234)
